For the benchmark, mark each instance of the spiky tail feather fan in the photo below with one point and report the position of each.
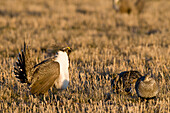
(24, 66)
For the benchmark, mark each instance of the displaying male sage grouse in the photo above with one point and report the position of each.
(125, 81)
(146, 87)
(41, 77)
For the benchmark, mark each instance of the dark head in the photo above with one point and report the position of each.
(66, 49)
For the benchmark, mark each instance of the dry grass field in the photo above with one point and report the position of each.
(104, 43)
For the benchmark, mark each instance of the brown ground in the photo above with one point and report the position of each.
(104, 43)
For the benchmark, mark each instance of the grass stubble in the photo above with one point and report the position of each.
(105, 43)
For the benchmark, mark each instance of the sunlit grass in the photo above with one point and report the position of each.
(104, 44)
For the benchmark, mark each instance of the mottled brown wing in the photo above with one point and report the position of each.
(44, 77)
(128, 78)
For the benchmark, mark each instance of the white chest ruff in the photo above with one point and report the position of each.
(63, 80)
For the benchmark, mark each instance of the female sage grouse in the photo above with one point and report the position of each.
(125, 81)
(146, 87)
(41, 77)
